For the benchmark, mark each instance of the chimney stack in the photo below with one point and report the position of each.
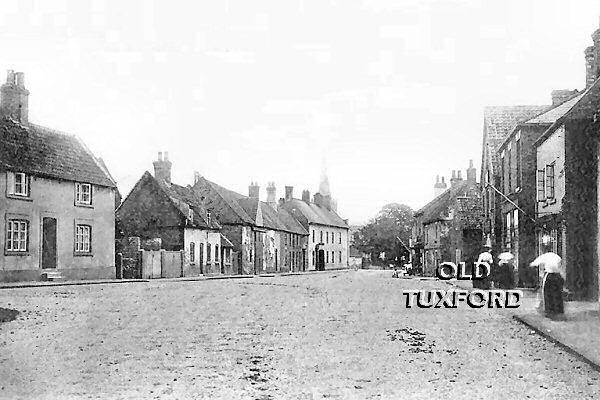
(196, 177)
(439, 187)
(306, 196)
(455, 179)
(271, 195)
(162, 168)
(14, 98)
(289, 193)
(590, 70)
(471, 173)
(254, 190)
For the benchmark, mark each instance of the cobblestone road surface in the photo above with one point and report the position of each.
(333, 335)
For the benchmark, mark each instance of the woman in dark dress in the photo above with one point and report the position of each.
(553, 300)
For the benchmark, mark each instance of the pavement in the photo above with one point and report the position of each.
(309, 336)
(577, 334)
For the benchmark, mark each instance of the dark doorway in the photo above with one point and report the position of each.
(321, 260)
(48, 242)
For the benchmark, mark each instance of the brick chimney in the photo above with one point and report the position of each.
(439, 187)
(162, 168)
(254, 190)
(289, 193)
(590, 70)
(196, 177)
(560, 96)
(306, 196)
(271, 195)
(471, 173)
(14, 98)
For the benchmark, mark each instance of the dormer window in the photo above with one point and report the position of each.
(17, 184)
(191, 214)
(208, 217)
(83, 194)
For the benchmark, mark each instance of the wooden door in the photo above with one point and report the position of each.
(48, 242)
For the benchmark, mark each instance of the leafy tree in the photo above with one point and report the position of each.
(381, 234)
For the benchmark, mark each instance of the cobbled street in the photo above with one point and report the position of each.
(333, 335)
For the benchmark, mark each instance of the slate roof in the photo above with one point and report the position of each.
(44, 152)
(316, 214)
(552, 115)
(225, 242)
(499, 122)
(234, 208)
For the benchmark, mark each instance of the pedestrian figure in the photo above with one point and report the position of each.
(550, 295)
(505, 271)
(485, 256)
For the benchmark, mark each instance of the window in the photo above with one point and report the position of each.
(208, 217)
(508, 229)
(17, 184)
(516, 218)
(541, 185)
(333, 257)
(518, 160)
(216, 253)
(326, 237)
(208, 252)
(313, 234)
(83, 193)
(327, 257)
(508, 169)
(321, 235)
(313, 257)
(191, 214)
(192, 252)
(17, 235)
(83, 239)
(340, 237)
(550, 181)
(340, 257)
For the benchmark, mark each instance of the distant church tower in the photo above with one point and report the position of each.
(323, 197)
(439, 187)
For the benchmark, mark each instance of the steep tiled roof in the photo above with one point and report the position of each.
(316, 214)
(44, 152)
(465, 195)
(185, 198)
(234, 208)
(499, 122)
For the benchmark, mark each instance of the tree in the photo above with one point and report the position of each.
(381, 234)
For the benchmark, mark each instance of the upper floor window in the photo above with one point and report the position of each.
(83, 193)
(83, 239)
(17, 235)
(541, 185)
(313, 235)
(518, 160)
(18, 183)
(340, 237)
(321, 234)
(191, 214)
(326, 237)
(550, 181)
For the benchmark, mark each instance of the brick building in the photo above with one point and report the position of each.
(448, 228)
(517, 182)
(159, 208)
(498, 123)
(265, 236)
(58, 199)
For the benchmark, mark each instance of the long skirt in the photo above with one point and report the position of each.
(552, 292)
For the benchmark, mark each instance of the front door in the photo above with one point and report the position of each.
(321, 260)
(48, 242)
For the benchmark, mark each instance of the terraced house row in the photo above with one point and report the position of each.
(63, 217)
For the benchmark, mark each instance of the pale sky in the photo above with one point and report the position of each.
(387, 93)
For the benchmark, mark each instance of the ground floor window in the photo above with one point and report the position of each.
(192, 252)
(83, 239)
(340, 257)
(17, 235)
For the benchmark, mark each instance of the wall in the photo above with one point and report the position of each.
(292, 252)
(328, 246)
(201, 238)
(56, 199)
(148, 213)
(553, 150)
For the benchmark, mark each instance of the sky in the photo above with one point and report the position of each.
(382, 94)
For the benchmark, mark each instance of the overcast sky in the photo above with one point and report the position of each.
(386, 93)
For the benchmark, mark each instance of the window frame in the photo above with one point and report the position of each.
(550, 182)
(8, 246)
(79, 193)
(541, 185)
(79, 248)
(192, 253)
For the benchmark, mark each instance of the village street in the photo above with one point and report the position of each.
(335, 335)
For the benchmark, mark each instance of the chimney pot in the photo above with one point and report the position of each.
(160, 156)
(289, 193)
(166, 156)
(162, 168)
(14, 98)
